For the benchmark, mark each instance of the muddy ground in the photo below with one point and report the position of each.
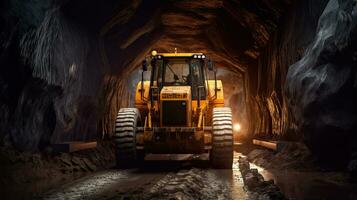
(91, 175)
(25, 175)
(174, 180)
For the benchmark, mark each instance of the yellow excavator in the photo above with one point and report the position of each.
(177, 111)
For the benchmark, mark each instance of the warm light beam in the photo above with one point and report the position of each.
(236, 127)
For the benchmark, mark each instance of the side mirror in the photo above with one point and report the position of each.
(210, 65)
(145, 65)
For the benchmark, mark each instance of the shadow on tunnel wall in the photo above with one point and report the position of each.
(270, 116)
(60, 74)
(321, 87)
(50, 75)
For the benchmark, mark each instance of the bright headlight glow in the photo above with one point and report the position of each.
(236, 127)
(203, 56)
(195, 56)
(199, 56)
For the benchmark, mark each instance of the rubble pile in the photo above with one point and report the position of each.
(254, 182)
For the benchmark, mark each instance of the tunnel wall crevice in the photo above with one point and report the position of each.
(270, 115)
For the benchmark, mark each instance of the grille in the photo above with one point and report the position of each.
(174, 113)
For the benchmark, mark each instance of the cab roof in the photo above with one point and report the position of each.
(175, 54)
(178, 54)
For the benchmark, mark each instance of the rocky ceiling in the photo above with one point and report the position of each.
(232, 32)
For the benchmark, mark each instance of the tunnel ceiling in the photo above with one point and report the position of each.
(232, 32)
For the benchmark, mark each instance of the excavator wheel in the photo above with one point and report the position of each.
(125, 137)
(222, 138)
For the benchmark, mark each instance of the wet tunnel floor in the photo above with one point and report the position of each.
(180, 181)
(196, 180)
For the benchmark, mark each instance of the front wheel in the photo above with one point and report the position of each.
(125, 137)
(221, 155)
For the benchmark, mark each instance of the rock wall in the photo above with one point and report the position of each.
(321, 87)
(62, 79)
(270, 115)
(48, 84)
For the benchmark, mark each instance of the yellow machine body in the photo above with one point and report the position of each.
(160, 115)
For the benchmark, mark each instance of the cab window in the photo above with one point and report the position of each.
(176, 72)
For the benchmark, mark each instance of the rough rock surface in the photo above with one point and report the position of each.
(322, 89)
(47, 79)
(268, 111)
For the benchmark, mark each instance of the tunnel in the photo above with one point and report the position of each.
(288, 69)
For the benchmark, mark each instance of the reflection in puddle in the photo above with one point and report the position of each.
(237, 182)
(230, 180)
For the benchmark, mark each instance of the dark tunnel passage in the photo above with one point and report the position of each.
(288, 68)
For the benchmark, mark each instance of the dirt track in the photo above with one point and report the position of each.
(174, 181)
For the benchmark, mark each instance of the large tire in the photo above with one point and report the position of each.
(222, 138)
(125, 137)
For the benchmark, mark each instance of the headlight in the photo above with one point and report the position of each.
(195, 56)
(203, 56)
(199, 56)
(236, 127)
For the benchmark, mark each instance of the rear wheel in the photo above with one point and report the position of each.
(222, 138)
(125, 137)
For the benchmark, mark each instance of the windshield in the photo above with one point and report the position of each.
(176, 72)
(179, 72)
